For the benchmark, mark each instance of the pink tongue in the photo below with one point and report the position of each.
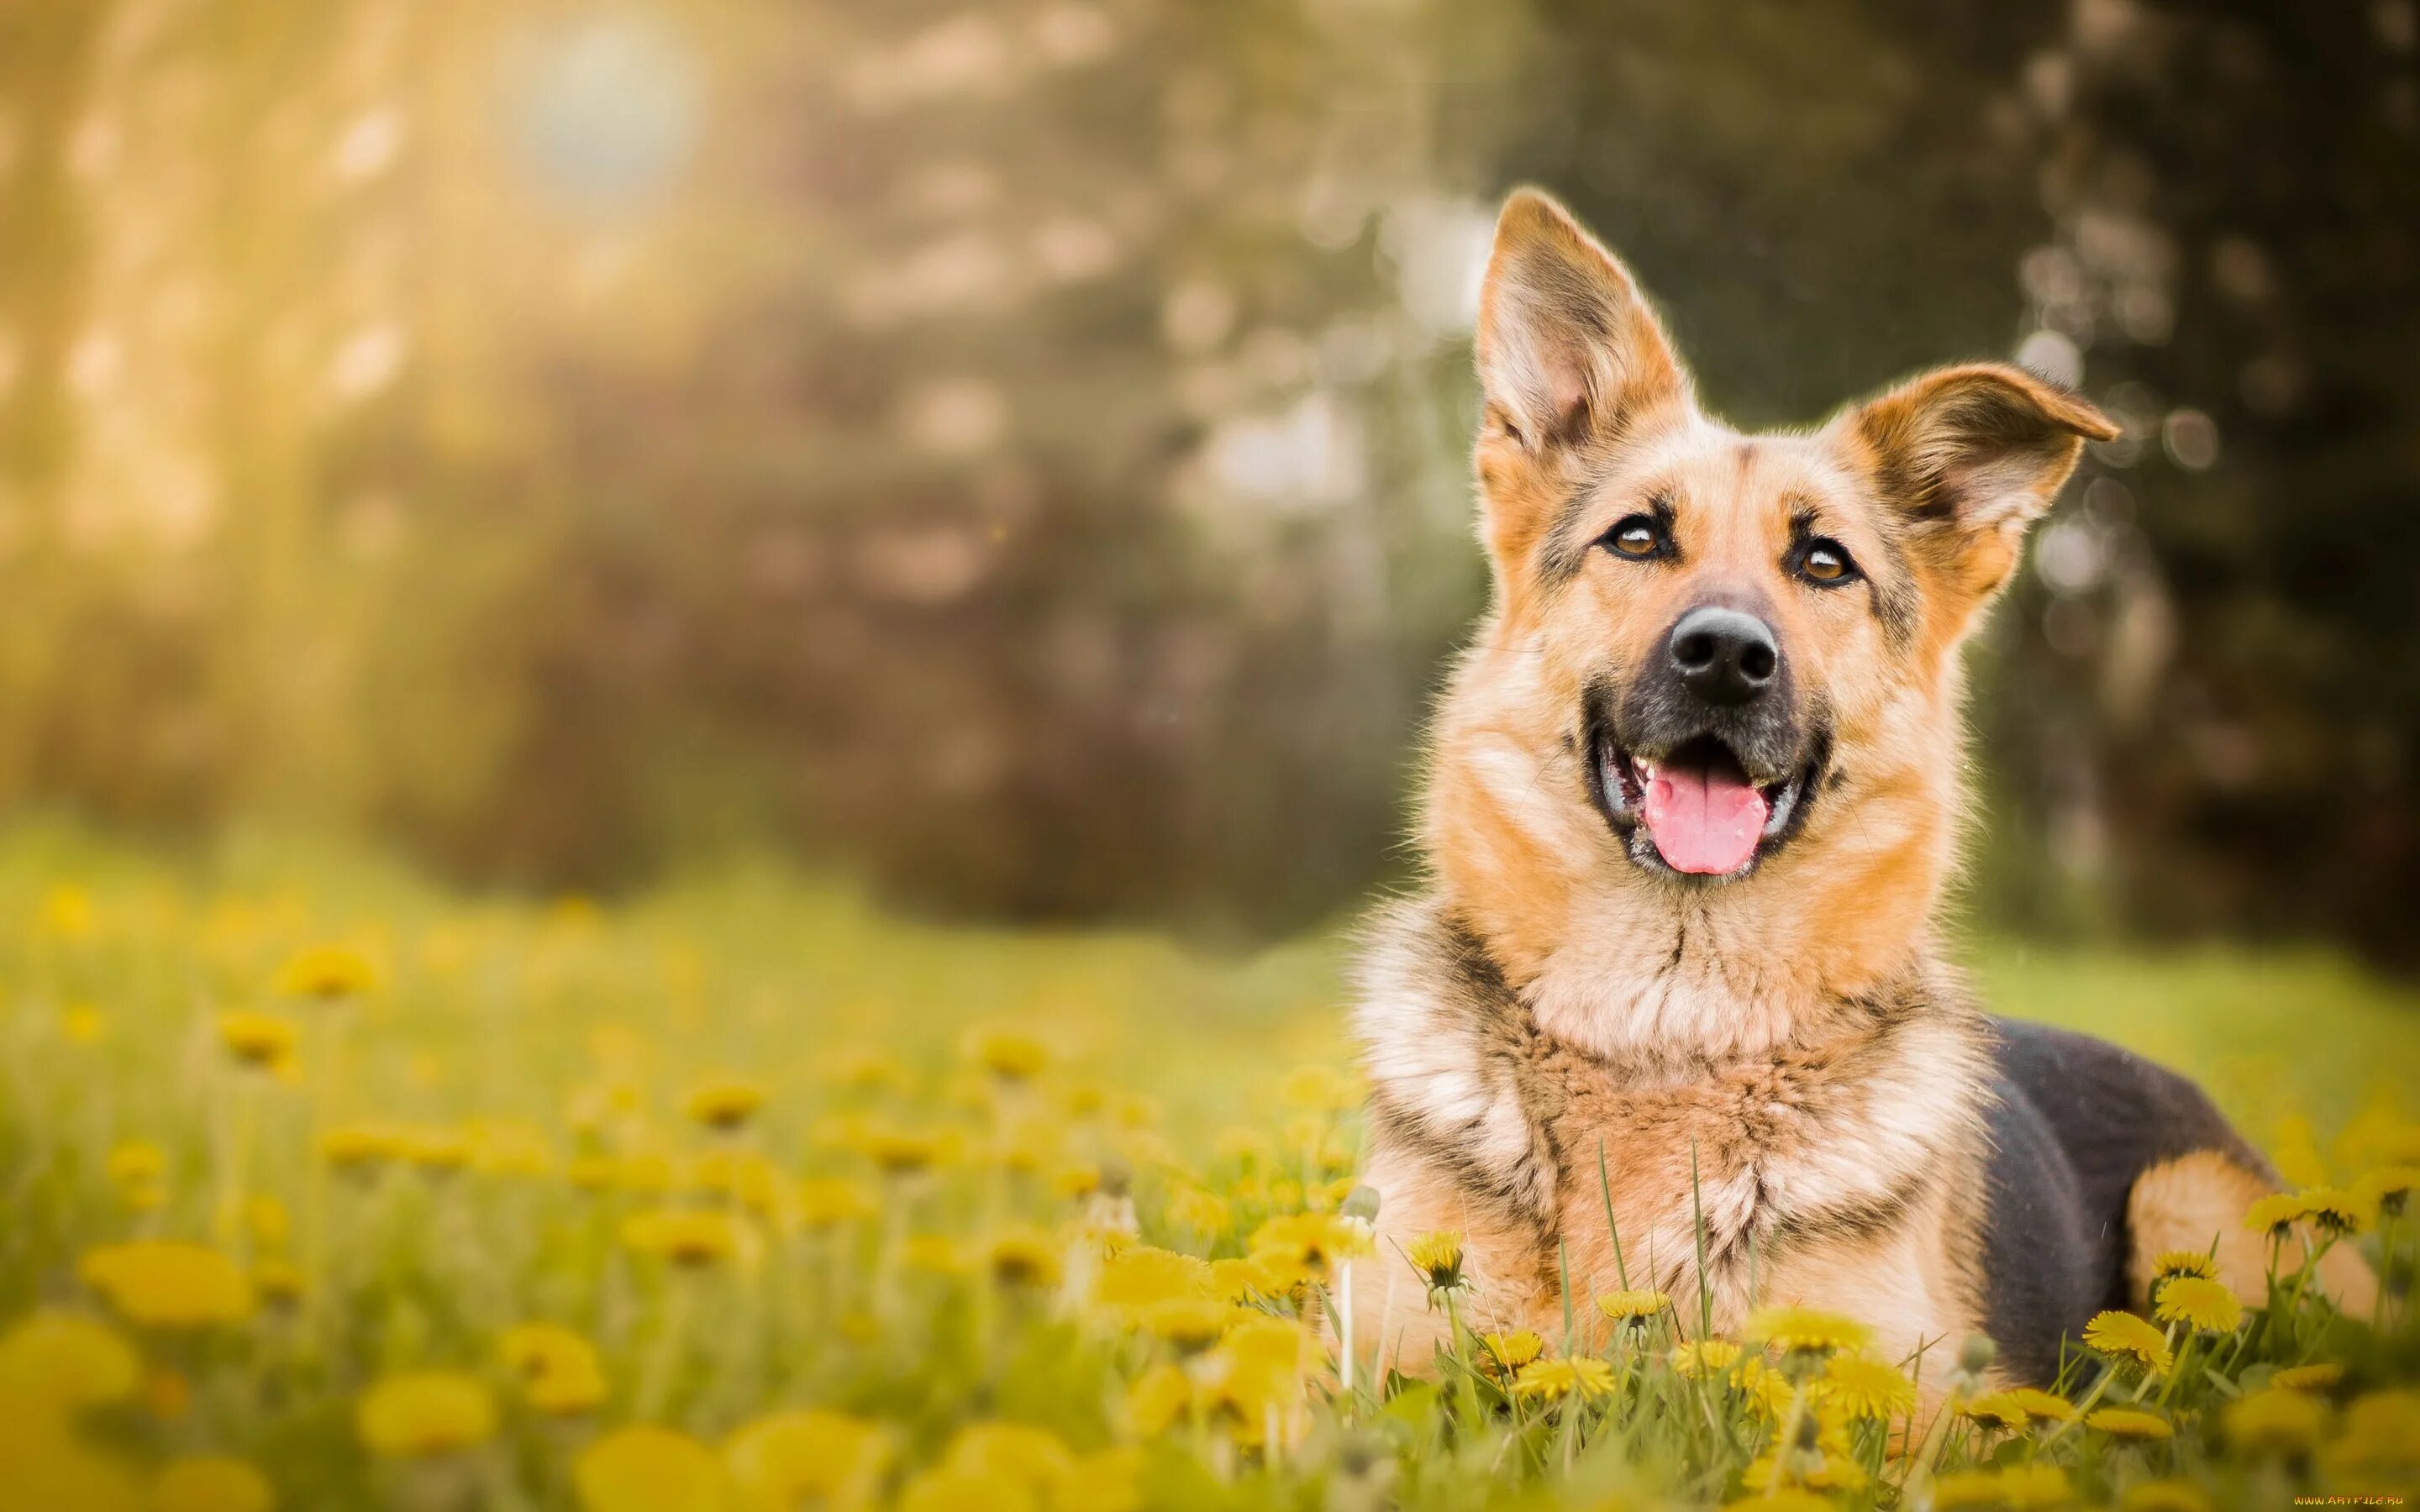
(1704, 822)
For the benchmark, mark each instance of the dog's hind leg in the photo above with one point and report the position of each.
(2196, 1201)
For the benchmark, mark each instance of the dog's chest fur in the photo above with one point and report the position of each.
(1559, 1159)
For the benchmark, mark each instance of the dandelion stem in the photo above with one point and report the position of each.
(1605, 1186)
(1787, 1444)
(1344, 1325)
(2091, 1399)
(656, 1385)
(1697, 1233)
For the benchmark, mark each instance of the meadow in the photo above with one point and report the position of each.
(327, 1188)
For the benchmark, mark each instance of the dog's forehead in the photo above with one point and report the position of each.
(1704, 465)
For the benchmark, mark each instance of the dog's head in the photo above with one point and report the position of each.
(1732, 648)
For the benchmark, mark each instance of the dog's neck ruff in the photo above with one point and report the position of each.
(1836, 1125)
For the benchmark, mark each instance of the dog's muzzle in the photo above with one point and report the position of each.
(1705, 763)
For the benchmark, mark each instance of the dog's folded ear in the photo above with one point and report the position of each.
(1971, 456)
(1570, 357)
(1977, 447)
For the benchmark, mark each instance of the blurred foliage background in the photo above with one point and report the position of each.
(1016, 452)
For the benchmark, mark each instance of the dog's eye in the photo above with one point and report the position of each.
(1826, 561)
(1637, 536)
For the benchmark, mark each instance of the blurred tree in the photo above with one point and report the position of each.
(1018, 450)
(2218, 705)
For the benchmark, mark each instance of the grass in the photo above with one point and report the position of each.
(327, 1186)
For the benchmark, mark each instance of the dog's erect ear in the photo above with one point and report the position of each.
(1570, 358)
(1972, 455)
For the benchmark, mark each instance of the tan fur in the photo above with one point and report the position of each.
(2198, 1201)
(1794, 1033)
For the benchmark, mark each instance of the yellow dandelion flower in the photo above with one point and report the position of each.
(1025, 1257)
(136, 1162)
(1244, 1277)
(2273, 1422)
(1319, 1090)
(2128, 1423)
(649, 1468)
(646, 1173)
(1189, 1324)
(425, 1412)
(279, 1282)
(829, 1201)
(1201, 1211)
(1301, 1133)
(256, 1039)
(2275, 1214)
(1633, 1307)
(1582, 1376)
(724, 1106)
(2335, 1213)
(2170, 1264)
(51, 1467)
(1506, 1355)
(1074, 1179)
(864, 1069)
(1824, 1459)
(1802, 1329)
(695, 1236)
(265, 1217)
(1304, 1245)
(1437, 1260)
(2128, 1341)
(1012, 1455)
(809, 1458)
(1011, 1054)
(1783, 1499)
(900, 1153)
(360, 1147)
(1104, 1481)
(2389, 1189)
(2382, 1432)
(211, 1483)
(944, 1488)
(1083, 1096)
(1258, 1369)
(327, 972)
(2046, 1405)
(935, 1255)
(165, 1284)
(2321, 1377)
(558, 1369)
(1143, 1276)
(1865, 1389)
(435, 1151)
(166, 1394)
(2199, 1303)
(65, 1359)
(1769, 1392)
(2166, 1496)
(2015, 1487)
(1159, 1399)
(67, 914)
(1243, 1145)
(1704, 1357)
(1816, 1471)
(2000, 1411)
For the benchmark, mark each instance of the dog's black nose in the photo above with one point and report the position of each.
(1724, 656)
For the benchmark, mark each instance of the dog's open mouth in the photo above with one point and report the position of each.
(1703, 813)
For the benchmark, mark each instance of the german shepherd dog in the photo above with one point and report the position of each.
(1693, 794)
